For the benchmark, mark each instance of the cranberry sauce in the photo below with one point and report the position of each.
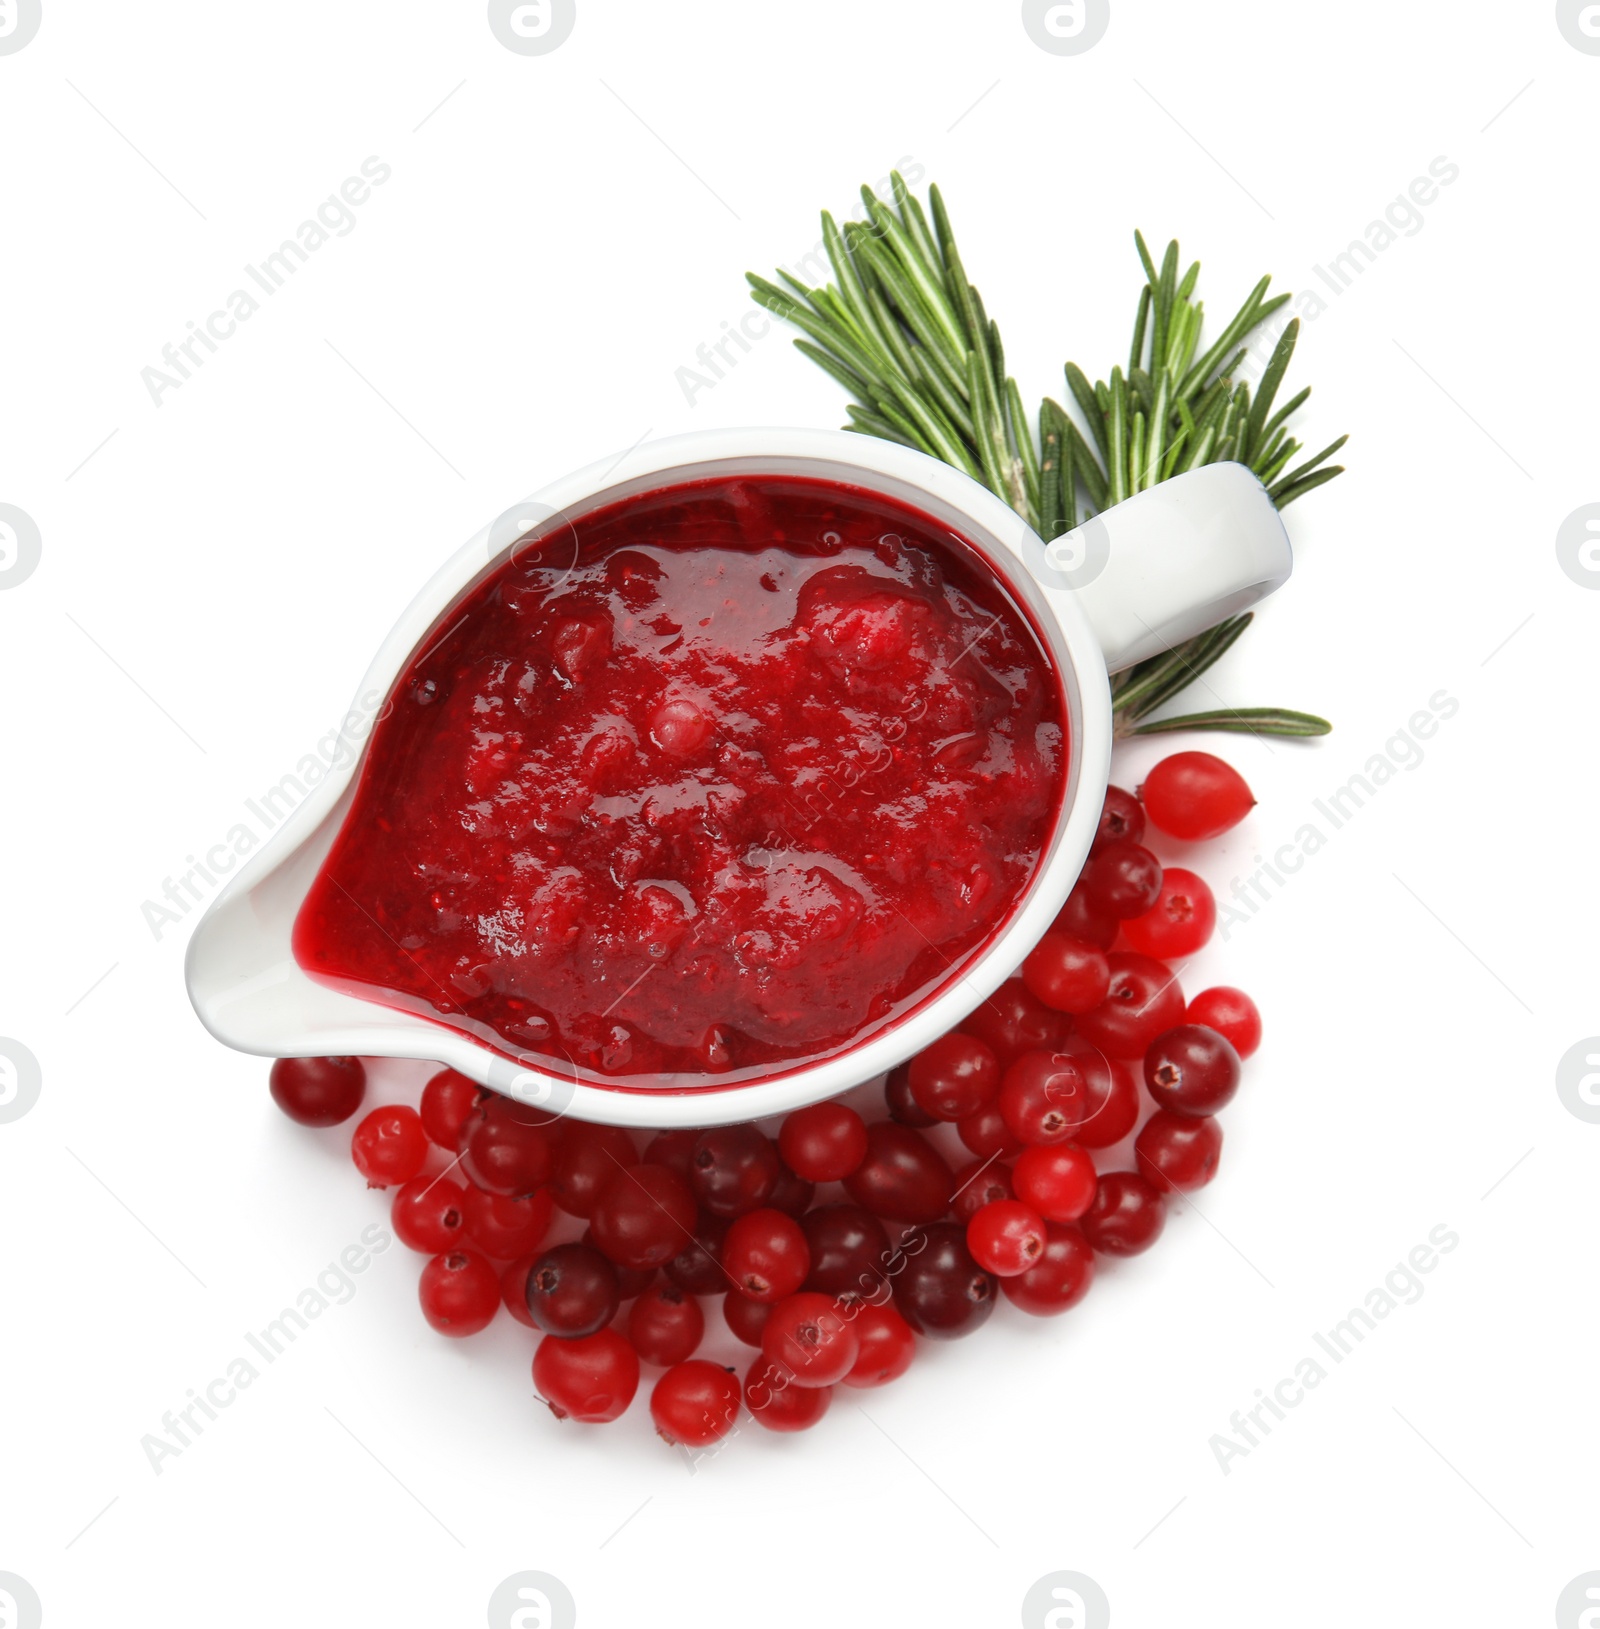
(710, 781)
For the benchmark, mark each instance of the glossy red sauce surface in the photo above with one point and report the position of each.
(713, 780)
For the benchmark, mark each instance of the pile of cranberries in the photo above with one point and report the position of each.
(834, 1244)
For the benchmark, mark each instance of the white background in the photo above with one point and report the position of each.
(555, 241)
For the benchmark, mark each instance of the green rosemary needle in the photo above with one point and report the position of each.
(906, 334)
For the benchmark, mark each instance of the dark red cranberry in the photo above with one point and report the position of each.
(734, 1169)
(508, 1147)
(1081, 919)
(447, 1103)
(631, 1281)
(1014, 1020)
(1127, 1215)
(1123, 880)
(1191, 1070)
(572, 1290)
(643, 1216)
(849, 1251)
(903, 1107)
(589, 1156)
(1178, 1151)
(793, 1195)
(954, 1076)
(903, 1178)
(746, 1318)
(673, 1149)
(1059, 1279)
(666, 1326)
(978, 1184)
(318, 1091)
(1121, 819)
(697, 1267)
(940, 1290)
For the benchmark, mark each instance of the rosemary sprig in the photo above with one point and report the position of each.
(906, 333)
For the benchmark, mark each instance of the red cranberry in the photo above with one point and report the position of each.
(695, 1403)
(631, 1281)
(1123, 880)
(1067, 974)
(940, 1290)
(987, 1135)
(887, 1345)
(1080, 918)
(1176, 1151)
(793, 1195)
(954, 1077)
(1059, 1279)
(978, 1184)
(1044, 1098)
(428, 1214)
(779, 1405)
(1115, 1100)
(673, 1149)
(734, 1169)
(1231, 1013)
(1144, 999)
(903, 1178)
(1179, 923)
(811, 1339)
(903, 1107)
(460, 1292)
(592, 1378)
(590, 1155)
(746, 1318)
(1126, 1217)
(766, 1255)
(506, 1228)
(514, 1289)
(1195, 795)
(508, 1147)
(666, 1326)
(643, 1216)
(824, 1142)
(1191, 1070)
(1014, 1020)
(572, 1290)
(849, 1249)
(1006, 1237)
(1121, 819)
(318, 1091)
(447, 1103)
(697, 1267)
(1057, 1182)
(389, 1146)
